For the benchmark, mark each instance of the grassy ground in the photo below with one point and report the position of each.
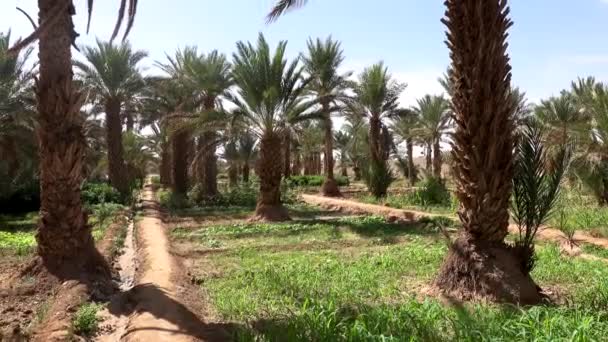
(17, 233)
(360, 279)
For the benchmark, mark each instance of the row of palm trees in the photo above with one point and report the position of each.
(271, 98)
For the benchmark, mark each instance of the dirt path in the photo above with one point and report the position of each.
(411, 215)
(158, 306)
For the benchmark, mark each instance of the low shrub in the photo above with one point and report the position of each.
(172, 201)
(313, 180)
(432, 192)
(85, 321)
(155, 180)
(245, 195)
(96, 193)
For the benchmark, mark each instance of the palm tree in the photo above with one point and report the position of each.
(181, 101)
(479, 262)
(270, 91)
(65, 243)
(342, 140)
(112, 75)
(328, 87)
(403, 127)
(17, 120)
(247, 145)
(210, 76)
(376, 98)
(562, 119)
(591, 163)
(434, 120)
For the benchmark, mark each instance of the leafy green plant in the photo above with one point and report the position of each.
(378, 177)
(432, 192)
(96, 193)
(171, 201)
(562, 224)
(85, 321)
(155, 180)
(535, 189)
(313, 180)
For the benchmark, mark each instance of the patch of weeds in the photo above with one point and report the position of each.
(85, 321)
(213, 243)
(595, 250)
(18, 243)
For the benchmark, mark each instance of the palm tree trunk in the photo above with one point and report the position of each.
(245, 172)
(375, 129)
(429, 157)
(165, 165)
(209, 165)
(411, 168)
(287, 144)
(437, 159)
(233, 174)
(479, 263)
(297, 164)
(116, 163)
(64, 238)
(180, 144)
(269, 167)
(330, 186)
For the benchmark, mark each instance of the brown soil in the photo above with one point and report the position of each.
(354, 207)
(159, 307)
(481, 270)
(37, 305)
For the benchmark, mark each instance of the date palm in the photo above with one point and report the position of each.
(247, 152)
(376, 98)
(562, 118)
(342, 140)
(434, 120)
(329, 87)
(479, 262)
(210, 77)
(403, 127)
(181, 101)
(65, 243)
(591, 163)
(17, 122)
(270, 91)
(111, 73)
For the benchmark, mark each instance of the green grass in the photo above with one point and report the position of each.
(595, 250)
(85, 321)
(401, 201)
(371, 292)
(17, 233)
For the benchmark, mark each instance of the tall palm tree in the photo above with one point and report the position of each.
(479, 262)
(18, 159)
(342, 140)
(434, 120)
(210, 76)
(329, 88)
(65, 243)
(376, 98)
(591, 163)
(270, 91)
(403, 127)
(562, 119)
(111, 72)
(247, 146)
(182, 100)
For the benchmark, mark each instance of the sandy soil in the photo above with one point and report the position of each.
(159, 310)
(350, 206)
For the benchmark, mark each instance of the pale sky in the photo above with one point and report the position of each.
(551, 43)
